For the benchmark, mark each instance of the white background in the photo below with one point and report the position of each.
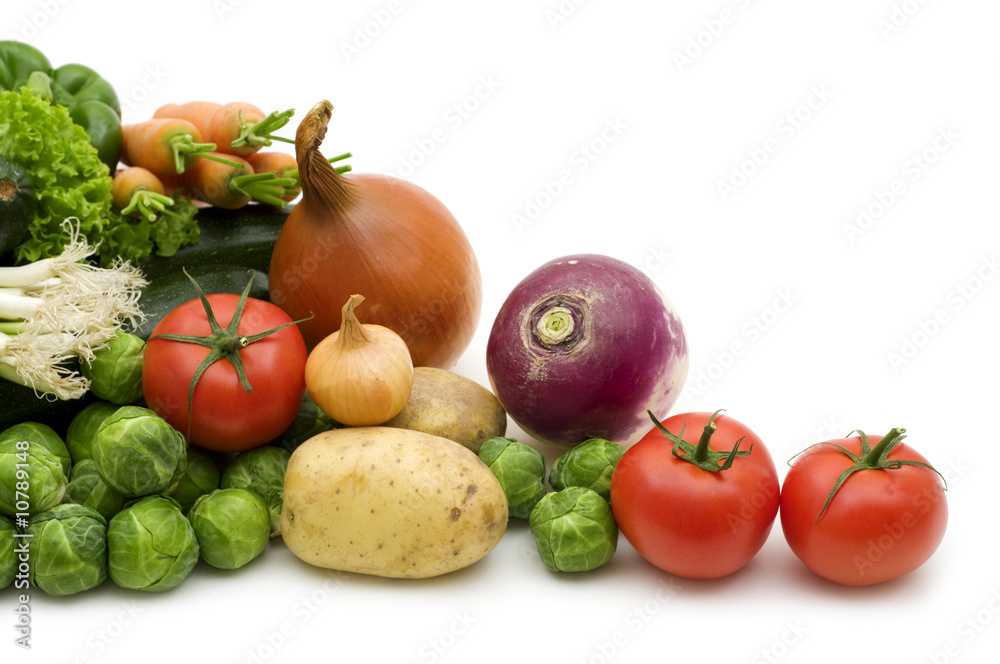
(846, 100)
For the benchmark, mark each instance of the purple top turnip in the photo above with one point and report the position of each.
(582, 348)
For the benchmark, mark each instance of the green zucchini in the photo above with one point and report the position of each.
(17, 204)
(242, 237)
(20, 404)
(171, 290)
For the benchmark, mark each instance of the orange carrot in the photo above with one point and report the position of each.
(229, 187)
(136, 191)
(165, 146)
(236, 128)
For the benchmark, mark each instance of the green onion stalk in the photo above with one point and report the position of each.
(59, 310)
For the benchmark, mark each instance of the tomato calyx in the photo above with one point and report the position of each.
(871, 458)
(701, 454)
(224, 343)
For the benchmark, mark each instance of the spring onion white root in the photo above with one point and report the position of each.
(60, 309)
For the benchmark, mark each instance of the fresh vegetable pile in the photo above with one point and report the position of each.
(192, 368)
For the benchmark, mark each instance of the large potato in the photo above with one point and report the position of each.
(446, 404)
(390, 502)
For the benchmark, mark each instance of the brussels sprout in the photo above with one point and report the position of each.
(233, 527)
(83, 427)
(201, 475)
(520, 469)
(69, 549)
(87, 488)
(589, 464)
(574, 530)
(261, 470)
(8, 557)
(138, 453)
(309, 421)
(115, 372)
(151, 545)
(40, 434)
(31, 478)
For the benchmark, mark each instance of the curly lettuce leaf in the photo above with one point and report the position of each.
(175, 230)
(71, 181)
(69, 178)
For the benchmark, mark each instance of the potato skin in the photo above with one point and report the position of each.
(445, 404)
(390, 502)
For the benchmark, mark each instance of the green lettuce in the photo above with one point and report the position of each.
(71, 181)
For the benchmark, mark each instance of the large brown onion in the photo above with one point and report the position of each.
(381, 236)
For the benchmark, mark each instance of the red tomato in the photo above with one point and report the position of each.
(224, 416)
(882, 523)
(688, 520)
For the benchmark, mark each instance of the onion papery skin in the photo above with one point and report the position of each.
(614, 347)
(394, 242)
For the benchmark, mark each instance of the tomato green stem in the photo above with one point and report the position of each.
(876, 458)
(702, 455)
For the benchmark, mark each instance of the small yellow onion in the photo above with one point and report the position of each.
(361, 375)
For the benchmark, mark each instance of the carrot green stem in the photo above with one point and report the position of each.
(264, 187)
(260, 132)
(148, 204)
(183, 146)
(294, 173)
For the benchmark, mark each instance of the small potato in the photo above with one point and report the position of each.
(390, 502)
(442, 403)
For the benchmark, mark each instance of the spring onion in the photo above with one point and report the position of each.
(60, 309)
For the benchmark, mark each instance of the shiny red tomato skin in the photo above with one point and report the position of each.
(881, 524)
(225, 417)
(689, 521)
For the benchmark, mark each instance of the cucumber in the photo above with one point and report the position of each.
(21, 405)
(242, 237)
(161, 296)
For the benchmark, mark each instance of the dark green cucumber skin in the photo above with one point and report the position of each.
(242, 237)
(231, 245)
(173, 289)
